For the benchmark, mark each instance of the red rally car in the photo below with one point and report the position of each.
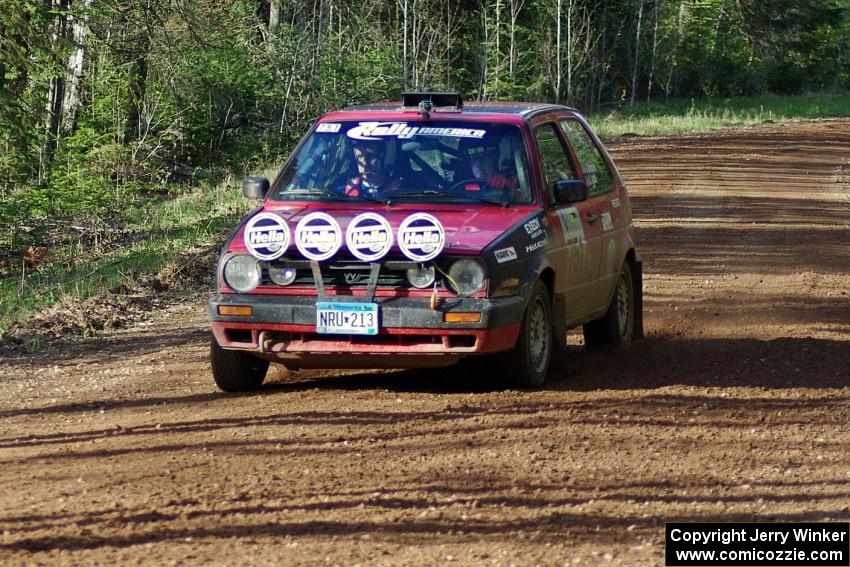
(419, 233)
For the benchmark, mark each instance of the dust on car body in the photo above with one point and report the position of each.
(422, 233)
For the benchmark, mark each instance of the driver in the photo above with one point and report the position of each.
(372, 176)
(484, 162)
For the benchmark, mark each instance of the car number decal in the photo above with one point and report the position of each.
(607, 223)
(571, 226)
(328, 127)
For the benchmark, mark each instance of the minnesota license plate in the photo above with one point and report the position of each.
(347, 318)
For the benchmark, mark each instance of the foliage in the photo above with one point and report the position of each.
(694, 115)
(110, 107)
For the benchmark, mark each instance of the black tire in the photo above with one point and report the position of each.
(528, 362)
(615, 330)
(236, 371)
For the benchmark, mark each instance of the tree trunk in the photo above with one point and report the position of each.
(404, 68)
(55, 91)
(654, 50)
(515, 8)
(3, 47)
(836, 82)
(716, 38)
(637, 55)
(274, 17)
(570, 41)
(485, 55)
(137, 80)
(668, 88)
(76, 63)
(558, 52)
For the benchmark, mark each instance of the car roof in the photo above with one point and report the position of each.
(478, 108)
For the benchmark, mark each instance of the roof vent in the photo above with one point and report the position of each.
(427, 102)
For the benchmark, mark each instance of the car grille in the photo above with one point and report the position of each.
(345, 273)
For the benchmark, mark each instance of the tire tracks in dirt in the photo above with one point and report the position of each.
(733, 408)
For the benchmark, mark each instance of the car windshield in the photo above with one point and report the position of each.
(434, 161)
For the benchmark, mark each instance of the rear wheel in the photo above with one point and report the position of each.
(528, 362)
(236, 371)
(616, 328)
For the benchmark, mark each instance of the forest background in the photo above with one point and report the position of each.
(130, 121)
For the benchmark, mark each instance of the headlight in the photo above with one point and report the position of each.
(421, 276)
(282, 276)
(467, 277)
(242, 273)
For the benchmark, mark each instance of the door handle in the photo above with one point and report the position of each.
(592, 217)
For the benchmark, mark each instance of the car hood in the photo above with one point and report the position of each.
(469, 229)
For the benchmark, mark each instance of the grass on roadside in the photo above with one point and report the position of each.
(160, 233)
(710, 114)
(156, 236)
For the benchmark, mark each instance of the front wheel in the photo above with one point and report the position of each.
(528, 362)
(236, 371)
(616, 328)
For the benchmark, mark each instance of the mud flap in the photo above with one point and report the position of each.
(558, 360)
(559, 327)
(637, 283)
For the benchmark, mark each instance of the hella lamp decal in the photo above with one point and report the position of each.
(266, 236)
(369, 237)
(318, 236)
(421, 237)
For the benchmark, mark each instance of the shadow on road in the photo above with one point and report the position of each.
(652, 363)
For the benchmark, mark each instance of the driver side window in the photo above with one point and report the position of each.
(553, 157)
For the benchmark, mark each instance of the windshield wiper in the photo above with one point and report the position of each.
(333, 195)
(438, 193)
(372, 198)
(321, 193)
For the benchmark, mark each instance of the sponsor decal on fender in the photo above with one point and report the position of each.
(533, 228)
(266, 236)
(421, 237)
(536, 246)
(369, 237)
(505, 255)
(318, 236)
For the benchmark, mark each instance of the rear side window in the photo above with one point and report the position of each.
(553, 157)
(595, 169)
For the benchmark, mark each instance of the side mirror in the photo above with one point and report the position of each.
(570, 191)
(255, 188)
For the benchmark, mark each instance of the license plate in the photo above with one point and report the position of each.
(347, 318)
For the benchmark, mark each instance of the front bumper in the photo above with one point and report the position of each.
(284, 327)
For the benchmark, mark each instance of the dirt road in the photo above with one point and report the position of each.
(121, 451)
